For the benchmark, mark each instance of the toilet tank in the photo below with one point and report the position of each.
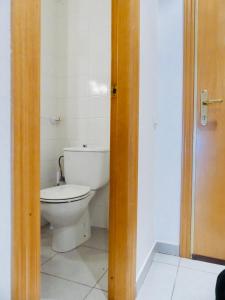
(86, 166)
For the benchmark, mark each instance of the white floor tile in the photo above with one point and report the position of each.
(83, 265)
(57, 289)
(194, 285)
(103, 283)
(99, 239)
(167, 259)
(159, 283)
(97, 295)
(201, 266)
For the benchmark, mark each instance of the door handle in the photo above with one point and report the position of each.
(205, 101)
(213, 101)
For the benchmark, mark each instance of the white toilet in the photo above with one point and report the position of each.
(66, 207)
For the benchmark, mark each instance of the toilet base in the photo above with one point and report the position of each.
(67, 238)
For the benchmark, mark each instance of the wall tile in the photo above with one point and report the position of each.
(79, 9)
(48, 86)
(70, 87)
(99, 107)
(77, 129)
(51, 149)
(97, 131)
(48, 173)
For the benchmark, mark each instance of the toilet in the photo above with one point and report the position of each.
(66, 207)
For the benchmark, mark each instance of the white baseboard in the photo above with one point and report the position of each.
(166, 248)
(146, 267)
(158, 247)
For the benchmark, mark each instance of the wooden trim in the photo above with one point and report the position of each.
(124, 150)
(188, 127)
(26, 150)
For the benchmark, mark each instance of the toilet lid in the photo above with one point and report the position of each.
(64, 193)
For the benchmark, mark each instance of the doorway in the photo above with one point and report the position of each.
(26, 154)
(75, 147)
(202, 221)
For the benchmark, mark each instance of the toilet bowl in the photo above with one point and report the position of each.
(66, 207)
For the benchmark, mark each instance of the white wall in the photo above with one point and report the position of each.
(148, 100)
(169, 119)
(161, 80)
(5, 145)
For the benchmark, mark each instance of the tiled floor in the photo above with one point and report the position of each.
(172, 278)
(78, 274)
(83, 273)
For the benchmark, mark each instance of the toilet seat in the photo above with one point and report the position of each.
(64, 193)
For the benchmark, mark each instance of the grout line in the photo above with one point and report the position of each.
(198, 270)
(49, 259)
(66, 279)
(186, 267)
(85, 297)
(94, 289)
(88, 293)
(76, 282)
(100, 280)
(165, 263)
(98, 289)
(175, 281)
(104, 250)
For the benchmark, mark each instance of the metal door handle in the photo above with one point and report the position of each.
(213, 101)
(205, 101)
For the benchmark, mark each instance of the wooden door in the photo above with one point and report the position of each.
(209, 188)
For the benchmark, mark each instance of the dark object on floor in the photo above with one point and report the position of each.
(220, 286)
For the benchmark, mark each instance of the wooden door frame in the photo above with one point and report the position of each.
(26, 149)
(188, 127)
